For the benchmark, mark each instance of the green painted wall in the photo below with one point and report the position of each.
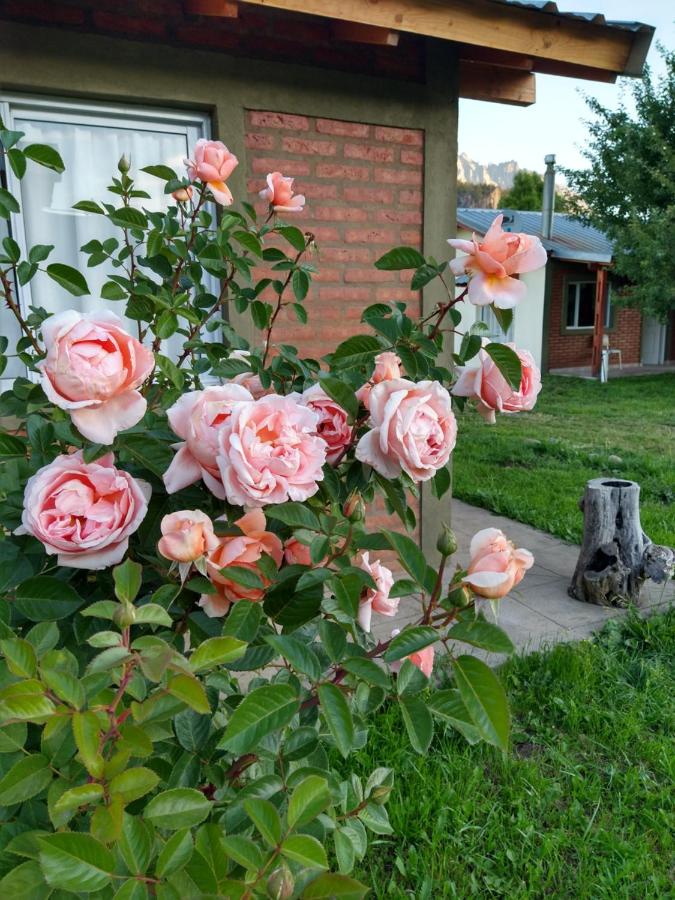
(40, 60)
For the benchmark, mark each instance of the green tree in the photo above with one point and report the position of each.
(527, 193)
(629, 189)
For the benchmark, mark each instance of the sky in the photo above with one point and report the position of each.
(493, 132)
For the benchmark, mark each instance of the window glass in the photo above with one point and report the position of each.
(586, 314)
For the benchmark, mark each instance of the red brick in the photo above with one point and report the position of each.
(398, 176)
(325, 233)
(403, 216)
(347, 254)
(327, 275)
(335, 170)
(321, 191)
(399, 136)
(45, 10)
(368, 195)
(396, 293)
(307, 147)
(366, 276)
(342, 129)
(412, 237)
(278, 120)
(259, 141)
(340, 214)
(369, 152)
(263, 165)
(412, 157)
(410, 197)
(148, 26)
(345, 293)
(370, 235)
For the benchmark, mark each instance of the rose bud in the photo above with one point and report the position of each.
(447, 542)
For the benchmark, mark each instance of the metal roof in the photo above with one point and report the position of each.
(643, 32)
(571, 240)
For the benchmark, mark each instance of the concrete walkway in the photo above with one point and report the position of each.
(539, 611)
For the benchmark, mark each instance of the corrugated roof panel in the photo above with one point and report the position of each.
(571, 240)
(596, 18)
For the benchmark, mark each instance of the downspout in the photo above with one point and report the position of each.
(548, 199)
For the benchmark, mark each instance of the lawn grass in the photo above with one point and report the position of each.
(533, 466)
(582, 807)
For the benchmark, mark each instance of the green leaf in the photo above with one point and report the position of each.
(128, 217)
(152, 614)
(266, 819)
(175, 854)
(308, 799)
(89, 206)
(481, 633)
(45, 156)
(65, 686)
(410, 555)
(10, 138)
(132, 889)
(72, 799)
(508, 363)
(504, 317)
(133, 783)
(127, 577)
(400, 258)
(26, 707)
(248, 240)
(449, 706)
(300, 284)
(299, 654)
(163, 172)
(215, 652)
(338, 717)
(243, 621)
(440, 483)
(27, 778)
(264, 710)
(39, 252)
(113, 291)
(418, 722)
(44, 598)
(69, 278)
(108, 659)
(76, 862)
(102, 609)
(356, 351)
(20, 657)
(342, 393)
(170, 370)
(485, 699)
(306, 850)
(293, 235)
(368, 670)
(177, 808)
(297, 515)
(241, 575)
(423, 276)
(344, 850)
(244, 852)
(190, 691)
(13, 737)
(8, 203)
(12, 249)
(25, 882)
(410, 640)
(87, 733)
(11, 447)
(331, 886)
(150, 452)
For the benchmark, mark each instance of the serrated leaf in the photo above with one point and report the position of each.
(190, 691)
(341, 392)
(175, 854)
(44, 598)
(297, 515)
(418, 722)
(480, 633)
(309, 798)
(20, 657)
(331, 886)
(266, 819)
(177, 808)
(82, 795)
(400, 258)
(338, 716)
(44, 155)
(76, 862)
(299, 654)
(368, 670)
(69, 278)
(448, 705)
(215, 652)
(265, 710)
(306, 850)
(133, 783)
(87, 733)
(508, 363)
(410, 640)
(152, 614)
(27, 778)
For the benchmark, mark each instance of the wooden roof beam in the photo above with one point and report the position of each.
(364, 34)
(482, 23)
(225, 9)
(495, 84)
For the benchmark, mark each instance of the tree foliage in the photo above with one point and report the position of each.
(628, 191)
(527, 193)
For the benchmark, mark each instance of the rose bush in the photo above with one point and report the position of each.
(187, 628)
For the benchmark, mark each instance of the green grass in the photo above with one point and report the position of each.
(533, 466)
(582, 807)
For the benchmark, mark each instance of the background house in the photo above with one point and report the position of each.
(556, 320)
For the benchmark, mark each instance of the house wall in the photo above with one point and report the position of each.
(356, 138)
(574, 349)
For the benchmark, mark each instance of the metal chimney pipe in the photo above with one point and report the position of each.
(548, 200)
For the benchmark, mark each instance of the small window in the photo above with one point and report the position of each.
(580, 307)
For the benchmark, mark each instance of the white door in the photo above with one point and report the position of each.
(653, 351)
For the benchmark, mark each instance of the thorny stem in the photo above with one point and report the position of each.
(280, 298)
(195, 328)
(443, 310)
(14, 306)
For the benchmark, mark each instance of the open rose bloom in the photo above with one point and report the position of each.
(84, 512)
(413, 429)
(269, 451)
(93, 369)
(333, 426)
(494, 261)
(496, 565)
(378, 599)
(213, 164)
(492, 392)
(279, 194)
(243, 551)
(197, 417)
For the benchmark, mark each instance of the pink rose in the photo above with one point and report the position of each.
(279, 194)
(249, 380)
(186, 536)
(196, 417)
(84, 512)
(387, 366)
(423, 659)
(376, 599)
(496, 566)
(269, 452)
(241, 550)
(413, 429)
(333, 427)
(184, 194)
(213, 164)
(491, 390)
(93, 369)
(216, 604)
(492, 262)
(296, 554)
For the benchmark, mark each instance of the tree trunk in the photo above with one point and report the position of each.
(616, 555)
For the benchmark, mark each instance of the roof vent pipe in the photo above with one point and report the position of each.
(548, 200)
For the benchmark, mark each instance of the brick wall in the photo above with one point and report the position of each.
(568, 350)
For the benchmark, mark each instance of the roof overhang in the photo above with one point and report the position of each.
(501, 43)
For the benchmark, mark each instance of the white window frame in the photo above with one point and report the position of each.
(486, 315)
(576, 283)
(192, 123)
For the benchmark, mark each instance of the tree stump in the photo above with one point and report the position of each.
(616, 555)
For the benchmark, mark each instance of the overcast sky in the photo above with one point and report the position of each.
(493, 132)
